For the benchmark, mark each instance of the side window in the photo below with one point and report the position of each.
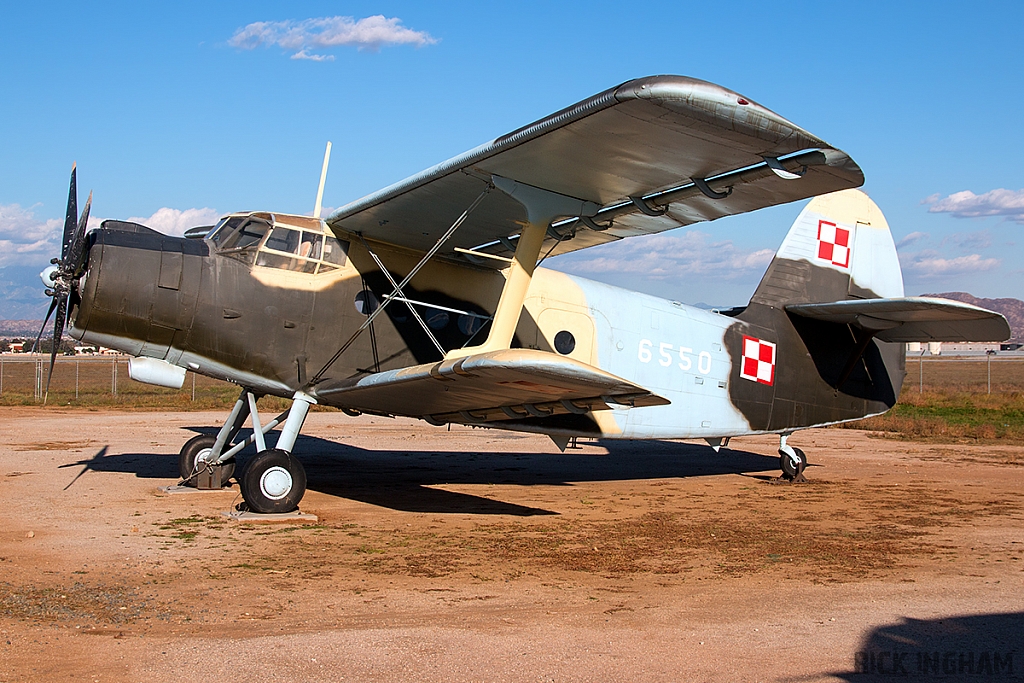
(302, 251)
(283, 239)
(335, 251)
(311, 245)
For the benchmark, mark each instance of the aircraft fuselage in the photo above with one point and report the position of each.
(272, 326)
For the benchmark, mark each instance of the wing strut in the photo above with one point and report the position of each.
(401, 295)
(542, 207)
(398, 288)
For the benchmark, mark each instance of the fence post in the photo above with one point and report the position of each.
(193, 386)
(76, 378)
(988, 354)
(920, 368)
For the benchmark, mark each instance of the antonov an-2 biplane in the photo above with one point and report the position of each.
(425, 300)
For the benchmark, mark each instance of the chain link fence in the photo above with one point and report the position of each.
(991, 374)
(101, 380)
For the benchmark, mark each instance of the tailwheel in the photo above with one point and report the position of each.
(792, 461)
(193, 458)
(274, 481)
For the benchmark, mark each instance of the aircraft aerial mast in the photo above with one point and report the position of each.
(323, 179)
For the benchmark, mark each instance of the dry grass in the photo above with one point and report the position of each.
(955, 405)
(98, 382)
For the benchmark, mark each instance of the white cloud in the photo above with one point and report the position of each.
(966, 204)
(25, 239)
(175, 221)
(28, 241)
(911, 238)
(676, 257)
(368, 33)
(971, 241)
(930, 264)
(302, 54)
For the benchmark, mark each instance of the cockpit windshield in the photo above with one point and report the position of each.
(239, 232)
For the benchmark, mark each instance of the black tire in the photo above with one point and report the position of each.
(274, 481)
(194, 449)
(788, 470)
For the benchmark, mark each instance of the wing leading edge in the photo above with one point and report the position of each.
(654, 154)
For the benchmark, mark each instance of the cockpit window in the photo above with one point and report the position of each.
(239, 232)
(283, 240)
(335, 251)
(311, 246)
(226, 227)
(301, 244)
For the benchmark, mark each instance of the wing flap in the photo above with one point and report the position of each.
(513, 384)
(912, 319)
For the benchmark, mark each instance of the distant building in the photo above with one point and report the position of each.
(961, 348)
(918, 348)
(953, 349)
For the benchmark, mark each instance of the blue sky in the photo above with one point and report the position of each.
(180, 111)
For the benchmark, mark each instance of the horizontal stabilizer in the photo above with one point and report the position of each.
(912, 319)
(513, 384)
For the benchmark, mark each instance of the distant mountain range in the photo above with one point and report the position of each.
(1012, 309)
(20, 328)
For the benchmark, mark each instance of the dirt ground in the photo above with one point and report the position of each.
(474, 555)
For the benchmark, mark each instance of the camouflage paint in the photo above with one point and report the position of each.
(272, 329)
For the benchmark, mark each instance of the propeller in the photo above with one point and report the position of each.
(63, 274)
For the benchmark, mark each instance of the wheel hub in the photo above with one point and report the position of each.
(203, 456)
(275, 483)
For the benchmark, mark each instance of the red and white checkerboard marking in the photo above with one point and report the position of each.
(833, 244)
(758, 361)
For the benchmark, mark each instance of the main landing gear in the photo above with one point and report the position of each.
(792, 461)
(274, 480)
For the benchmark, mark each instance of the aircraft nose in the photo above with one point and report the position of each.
(140, 289)
(47, 276)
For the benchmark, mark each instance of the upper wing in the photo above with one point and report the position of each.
(910, 319)
(647, 139)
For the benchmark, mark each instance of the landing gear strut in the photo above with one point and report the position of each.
(195, 467)
(274, 480)
(792, 461)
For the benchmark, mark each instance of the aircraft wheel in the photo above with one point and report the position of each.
(791, 470)
(198, 448)
(274, 481)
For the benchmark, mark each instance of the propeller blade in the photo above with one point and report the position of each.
(71, 218)
(58, 333)
(53, 305)
(74, 255)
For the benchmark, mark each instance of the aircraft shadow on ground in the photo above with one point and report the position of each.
(404, 479)
(983, 646)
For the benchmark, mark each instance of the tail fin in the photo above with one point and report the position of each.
(839, 248)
